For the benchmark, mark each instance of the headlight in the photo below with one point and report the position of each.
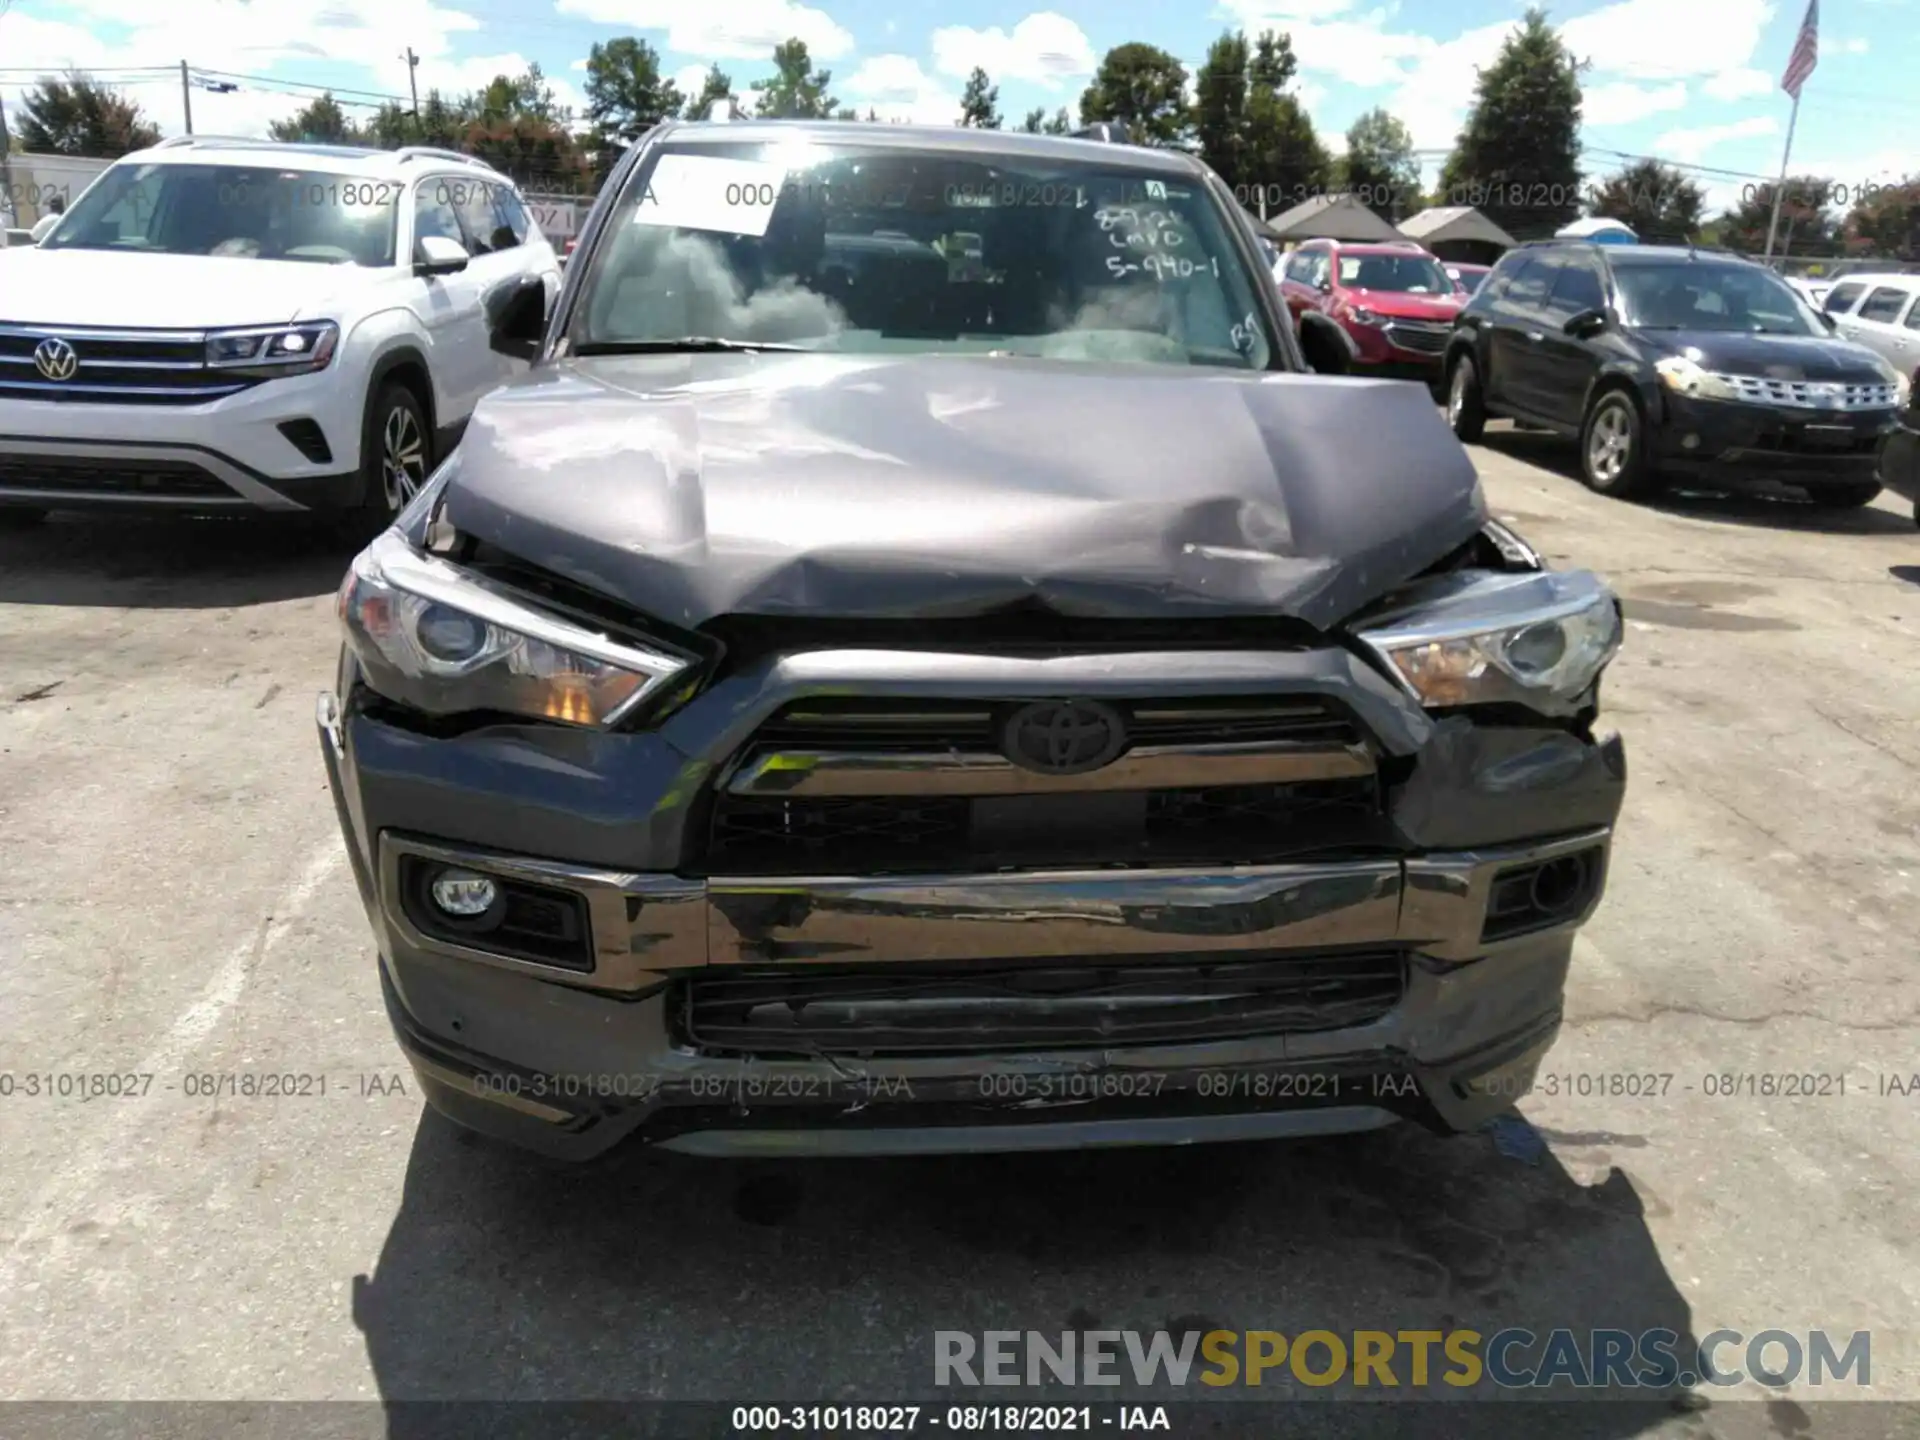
(1681, 374)
(1363, 316)
(436, 638)
(269, 350)
(1478, 638)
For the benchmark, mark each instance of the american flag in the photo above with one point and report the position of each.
(1806, 52)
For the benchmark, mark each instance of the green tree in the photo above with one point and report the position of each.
(321, 120)
(1887, 218)
(980, 104)
(75, 116)
(440, 123)
(1220, 107)
(1807, 220)
(1285, 162)
(626, 95)
(718, 85)
(1379, 167)
(1656, 201)
(795, 91)
(392, 126)
(1035, 119)
(1059, 124)
(1144, 88)
(526, 96)
(1518, 159)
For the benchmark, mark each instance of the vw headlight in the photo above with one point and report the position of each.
(1682, 374)
(268, 350)
(442, 640)
(1539, 639)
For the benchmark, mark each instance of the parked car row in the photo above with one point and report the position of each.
(1664, 362)
(1671, 362)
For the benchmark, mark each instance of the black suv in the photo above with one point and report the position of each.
(920, 665)
(1672, 361)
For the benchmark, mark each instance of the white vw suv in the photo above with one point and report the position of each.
(221, 325)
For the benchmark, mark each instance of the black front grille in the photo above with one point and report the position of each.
(756, 835)
(930, 832)
(1426, 341)
(118, 367)
(1001, 1009)
(79, 476)
(974, 725)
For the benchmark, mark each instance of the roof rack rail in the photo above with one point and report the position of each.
(1113, 132)
(437, 152)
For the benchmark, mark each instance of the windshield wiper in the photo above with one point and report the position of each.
(685, 345)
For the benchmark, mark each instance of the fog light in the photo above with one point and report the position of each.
(463, 893)
(1690, 442)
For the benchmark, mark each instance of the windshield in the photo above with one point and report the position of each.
(1686, 295)
(874, 250)
(241, 212)
(1409, 274)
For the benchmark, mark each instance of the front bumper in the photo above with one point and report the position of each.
(1728, 442)
(572, 1060)
(227, 455)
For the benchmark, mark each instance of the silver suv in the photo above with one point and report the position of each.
(1881, 312)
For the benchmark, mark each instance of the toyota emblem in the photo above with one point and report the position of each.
(1063, 737)
(54, 358)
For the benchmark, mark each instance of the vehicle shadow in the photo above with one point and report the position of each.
(1786, 510)
(651, 1276)
(169, 562)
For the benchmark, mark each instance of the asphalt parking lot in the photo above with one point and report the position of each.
(174, 902)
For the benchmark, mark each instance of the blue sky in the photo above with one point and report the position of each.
(1692, 81)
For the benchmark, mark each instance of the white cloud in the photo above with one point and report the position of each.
(896, 88)
(1738, 84)
(1691, 144)
(1620, 101)
(1855, 46)
(1668, 39)
(1044, 49)
(689, 79)
(1433, 99)
(723, 29)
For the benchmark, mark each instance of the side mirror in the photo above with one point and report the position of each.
(1826, 319)
(437, 255)
(517, 318)
(1324, 286)
(1586, 323)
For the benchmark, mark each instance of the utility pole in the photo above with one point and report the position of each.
(413, 84)
(186, 96)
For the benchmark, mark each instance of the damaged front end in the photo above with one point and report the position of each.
(778, 884)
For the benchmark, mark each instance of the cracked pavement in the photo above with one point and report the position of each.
(173, 903)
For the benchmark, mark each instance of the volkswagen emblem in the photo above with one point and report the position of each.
(1063, 737)
(54, 358)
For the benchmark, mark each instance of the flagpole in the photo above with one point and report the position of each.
(1779, 190)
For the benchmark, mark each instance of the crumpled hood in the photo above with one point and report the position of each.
(1779, 357)
(693, 486)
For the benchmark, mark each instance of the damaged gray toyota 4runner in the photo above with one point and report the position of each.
(918, 665)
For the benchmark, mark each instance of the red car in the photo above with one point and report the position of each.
(1389, 306)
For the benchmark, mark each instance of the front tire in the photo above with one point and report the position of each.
(1466, 406)
(396, 454)
(1613, 460)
